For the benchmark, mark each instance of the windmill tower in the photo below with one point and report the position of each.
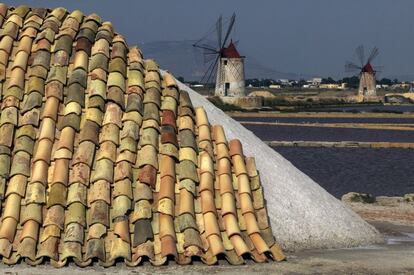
(225, 61)
(367, 73)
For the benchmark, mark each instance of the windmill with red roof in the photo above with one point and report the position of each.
(367, 73)
(224, 61)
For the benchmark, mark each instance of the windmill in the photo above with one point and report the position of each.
(367, 73)
(223, 61)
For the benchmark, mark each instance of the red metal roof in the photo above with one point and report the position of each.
(230, 51)
(367, 68)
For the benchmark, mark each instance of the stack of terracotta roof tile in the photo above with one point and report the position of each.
(102, 158)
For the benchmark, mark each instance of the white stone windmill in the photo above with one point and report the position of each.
(367, 73)
(225, 61)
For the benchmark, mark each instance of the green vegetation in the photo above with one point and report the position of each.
(352, 82)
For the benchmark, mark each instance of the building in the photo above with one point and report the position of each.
(316, 81)
(329, 86)
(333, 86)
(367, 83)
(275, 86)
(230, 73)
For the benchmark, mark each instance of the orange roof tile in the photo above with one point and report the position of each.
(103, 158)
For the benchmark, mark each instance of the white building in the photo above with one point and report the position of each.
(230, 73)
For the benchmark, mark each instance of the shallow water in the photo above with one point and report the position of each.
(306, 133)
(328, 120)
(368, 108)
(387, 172)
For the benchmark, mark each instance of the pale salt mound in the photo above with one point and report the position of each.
(302, 214)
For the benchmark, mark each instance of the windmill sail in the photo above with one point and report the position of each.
(224, 62)
(367, 72)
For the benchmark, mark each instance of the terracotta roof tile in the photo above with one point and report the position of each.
(102, 157)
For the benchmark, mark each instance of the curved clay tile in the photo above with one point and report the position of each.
(103, 158)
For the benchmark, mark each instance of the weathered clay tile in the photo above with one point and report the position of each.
(83, 44)
(137, 66)
(99, 213)
(103, 170)
(96, 104)
(186, 122)
(171, 92)
(118, 65)
(104, 34)
(106, 159)
(152, 96)
(150, 123)
(134, 103)
(64, 43)
(147, 175)
(169, 103)
(116, 79)
(33, 100)
(169, 80)
(86, 33)
(98, 61)
(151, 111)
(149, 136)
(119, 49)
(187, 170)
(116, 95)
(78, 76)
(187, 139)
(168, 135)
(187, 153)
(135, 78)
(147, 155)
(150, 65)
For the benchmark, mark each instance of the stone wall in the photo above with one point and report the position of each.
(246, 102)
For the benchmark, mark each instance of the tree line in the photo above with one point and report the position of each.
(351, 82)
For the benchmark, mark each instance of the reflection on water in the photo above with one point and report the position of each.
(385, 172)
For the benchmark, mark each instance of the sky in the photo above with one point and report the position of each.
(313, 37)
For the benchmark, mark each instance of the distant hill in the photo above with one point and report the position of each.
(182, 59)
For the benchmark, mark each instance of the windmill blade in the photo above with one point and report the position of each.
(206, 51)
(208, 40)
(209, 52)
(209, 57)
(378, 69)
(202, 80)
(377, 73)
(374, 53)
(219, 31)
(232, 19)
(352, 67)
(211, 70)
(360, 54)
(199, 42)
(205, 47)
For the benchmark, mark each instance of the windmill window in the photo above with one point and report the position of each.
(225, 62)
